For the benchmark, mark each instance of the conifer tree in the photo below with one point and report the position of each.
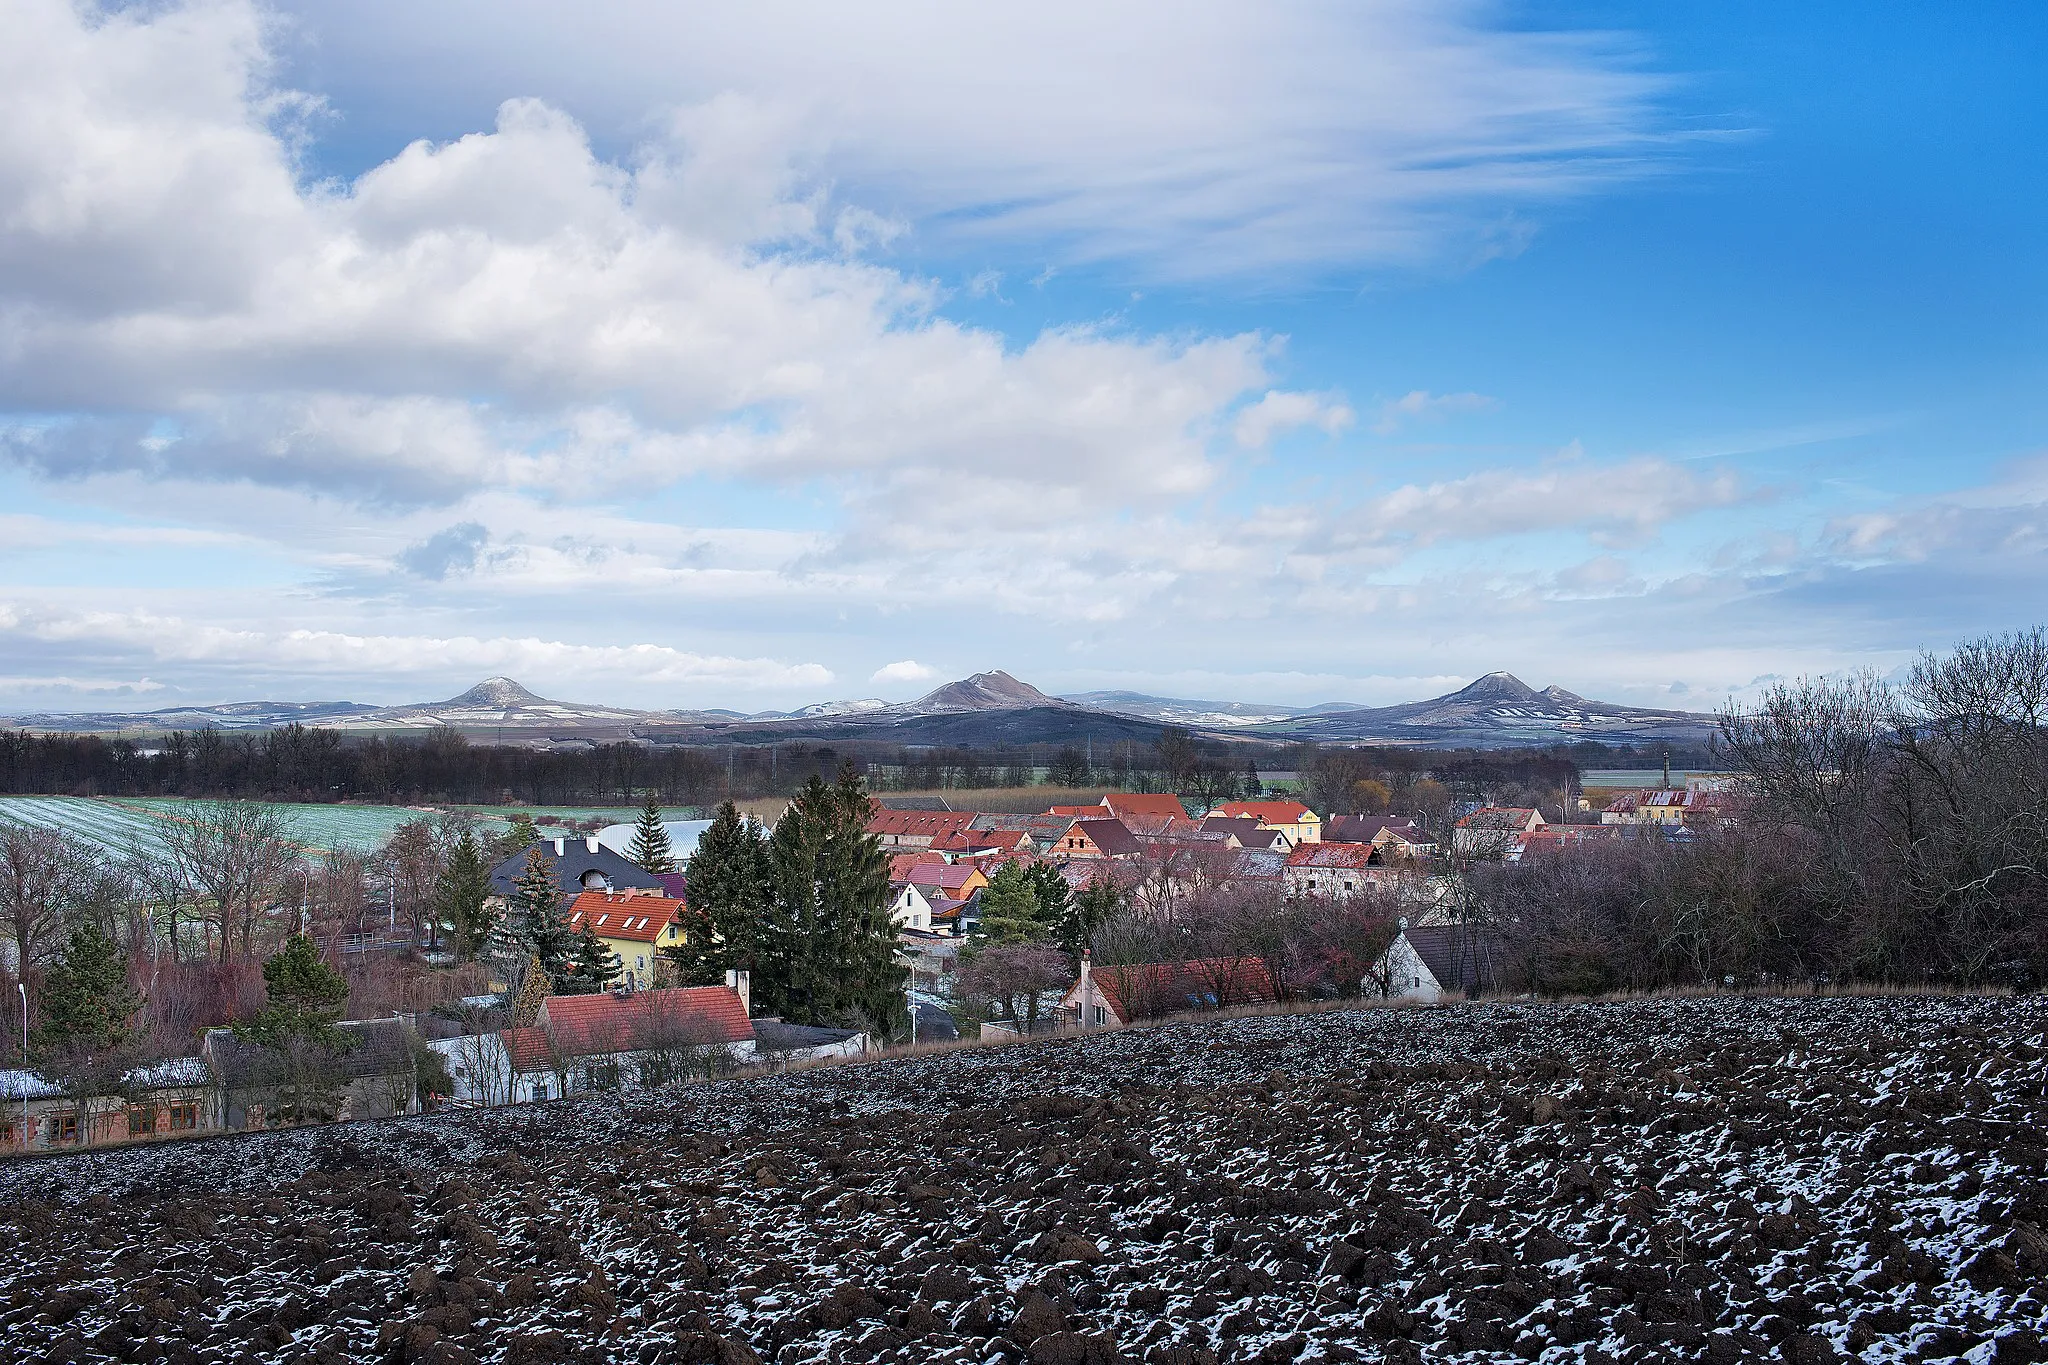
(727, 903)
(1010, 909)
(303, 1001)
(86, 1000)
(650, 850)
(592, 966)
(462, 893)
(533, 924)
(519, 836)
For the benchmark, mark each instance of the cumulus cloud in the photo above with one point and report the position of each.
(506, 308)
(904, 671)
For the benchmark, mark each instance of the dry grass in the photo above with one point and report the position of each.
(1007, 800)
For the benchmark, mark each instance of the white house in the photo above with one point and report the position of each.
(910, 909)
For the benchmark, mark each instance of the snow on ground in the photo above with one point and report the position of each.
(1718, 1180)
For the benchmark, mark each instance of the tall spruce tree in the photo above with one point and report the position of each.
(856, 903)
(650, 849)
(534, 925)
(86, 1000)
(831, 950)
(728, 898)
(462, 895)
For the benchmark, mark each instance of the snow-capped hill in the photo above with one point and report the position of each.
(859, 707)
(996, 691)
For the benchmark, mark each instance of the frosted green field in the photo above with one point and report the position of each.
(117, 824)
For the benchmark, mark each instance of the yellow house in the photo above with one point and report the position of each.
(635, 928)
(1300, 824)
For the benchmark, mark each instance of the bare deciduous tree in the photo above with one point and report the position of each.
(228, 858)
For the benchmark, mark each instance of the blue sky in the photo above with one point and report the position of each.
(672, 355)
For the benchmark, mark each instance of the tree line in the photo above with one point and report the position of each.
(1896, 833)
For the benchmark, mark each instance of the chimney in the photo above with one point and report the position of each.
(590, 843)
(742, 981)
(1084, 998)
(559, 843)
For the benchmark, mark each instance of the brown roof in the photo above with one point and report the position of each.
(1111, 837)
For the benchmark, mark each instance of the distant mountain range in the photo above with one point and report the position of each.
(1497, 711)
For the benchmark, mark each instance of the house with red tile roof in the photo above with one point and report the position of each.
(1338, 870)
(1555, 839)
(909, 829)
(1144, 811)
(901, 865)
(635, 927)
(627, 1040)
(1109, 997)
(981, 843)
(1290, 818)
(1396, 836)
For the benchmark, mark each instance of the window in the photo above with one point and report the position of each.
(63, 1127)
(184, 1116)
(1101, 1015)
(141, 1120)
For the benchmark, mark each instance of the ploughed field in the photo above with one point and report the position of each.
(1718, 1179)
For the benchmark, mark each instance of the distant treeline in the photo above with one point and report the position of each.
(294, 763)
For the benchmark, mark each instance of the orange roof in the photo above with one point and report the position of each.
(609, 914)
(604, 1023)
(1147, 807)
(1093, 812)
(1267, 812)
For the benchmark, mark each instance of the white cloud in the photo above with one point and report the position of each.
(1199, 138)
(904, 671)
(1258, 423)
(1421, 404)
(506, 308)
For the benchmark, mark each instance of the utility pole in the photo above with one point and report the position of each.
(22, 986)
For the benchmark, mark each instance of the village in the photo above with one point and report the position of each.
(1136, 908)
